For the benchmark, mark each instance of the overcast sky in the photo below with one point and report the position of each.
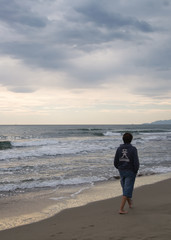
(85, 61)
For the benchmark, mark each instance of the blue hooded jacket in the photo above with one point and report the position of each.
(126, 158)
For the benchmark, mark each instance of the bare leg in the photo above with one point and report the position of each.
(122, 211)
(129, 200)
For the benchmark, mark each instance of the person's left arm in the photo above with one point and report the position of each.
(116, 159)
(136, 161)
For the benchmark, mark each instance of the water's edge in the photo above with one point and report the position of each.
(32, 207)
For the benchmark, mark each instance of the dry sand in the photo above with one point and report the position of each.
(149, 219)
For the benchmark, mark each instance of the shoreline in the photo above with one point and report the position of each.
(149, 219)
(35, 207)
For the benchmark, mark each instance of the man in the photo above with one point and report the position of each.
(127, 162)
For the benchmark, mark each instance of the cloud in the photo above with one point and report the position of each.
(112, 20)
(87, 44)
(16, 13)
(36, 54)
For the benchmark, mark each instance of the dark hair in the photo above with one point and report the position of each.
(127, 137)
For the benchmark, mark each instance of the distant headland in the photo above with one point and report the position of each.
(161, 122)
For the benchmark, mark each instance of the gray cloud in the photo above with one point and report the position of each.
(158, 58)
(37, 54)
(156, 91)
(48, 47)
(113, 20)
(13, 13)
(53, 35)
(22, 89)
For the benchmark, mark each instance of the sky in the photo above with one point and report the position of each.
(85, 61)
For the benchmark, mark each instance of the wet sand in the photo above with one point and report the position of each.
(149, 219)
(29, 207)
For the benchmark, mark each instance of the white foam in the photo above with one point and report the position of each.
(51, 148)
(35, 183)
(161, 169)
(112, 134)
(31, 143)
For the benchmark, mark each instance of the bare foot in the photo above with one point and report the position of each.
(123, 212)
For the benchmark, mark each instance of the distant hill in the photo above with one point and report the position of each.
(162, 122)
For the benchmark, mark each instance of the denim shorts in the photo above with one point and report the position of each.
(127, 182)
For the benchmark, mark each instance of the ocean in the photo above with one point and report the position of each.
(60, 156)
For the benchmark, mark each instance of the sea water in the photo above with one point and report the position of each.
(58, 156)
(48, 168)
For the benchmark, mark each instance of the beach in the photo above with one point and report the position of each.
(58, 182)
(150, 218)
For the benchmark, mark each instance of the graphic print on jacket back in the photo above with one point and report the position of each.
(124, 157)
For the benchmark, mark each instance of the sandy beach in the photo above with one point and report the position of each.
(149, 219)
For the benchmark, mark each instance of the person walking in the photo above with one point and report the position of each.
(127, 162)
